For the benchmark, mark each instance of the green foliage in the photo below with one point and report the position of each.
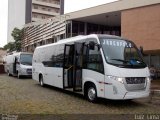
(10, 47)
(15, 46)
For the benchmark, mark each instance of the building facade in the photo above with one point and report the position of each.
(21, 12)
(137, 20)
(43, 9)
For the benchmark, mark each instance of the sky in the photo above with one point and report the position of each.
(70, 6)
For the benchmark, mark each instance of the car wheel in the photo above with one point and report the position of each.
(8, 73)
(18, 75)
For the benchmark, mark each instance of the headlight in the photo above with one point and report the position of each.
(119, 79)
(148, 79)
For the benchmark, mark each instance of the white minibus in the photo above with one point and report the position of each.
(18, 64)
(101, 66)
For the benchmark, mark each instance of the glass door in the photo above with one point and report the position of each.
(73, 65)
(78, 65)
(68, 66)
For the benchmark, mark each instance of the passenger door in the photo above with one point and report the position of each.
(78, 66)
(73, 64)
(68, 66)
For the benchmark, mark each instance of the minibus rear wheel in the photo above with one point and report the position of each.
(41, 80)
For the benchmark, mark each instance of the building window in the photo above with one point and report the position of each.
(43, 8)
(35, 16)
(55, 10)
(56, 2)
(43, 17)
(35, 7)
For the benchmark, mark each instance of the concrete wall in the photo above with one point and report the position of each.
(16, 16)
(28, 11)
(142, 25)
(62, 7)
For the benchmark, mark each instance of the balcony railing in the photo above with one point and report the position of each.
(45, 12)
(50, 4)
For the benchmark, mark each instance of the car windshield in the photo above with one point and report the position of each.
(26, 59)
(121, 53)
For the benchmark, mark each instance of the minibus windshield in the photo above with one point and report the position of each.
(26, 59)
(121, 53)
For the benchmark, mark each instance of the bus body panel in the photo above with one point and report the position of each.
(105, 84)
(37, 70)
(118, 90)
(53, 76)
(9, 59)
(14, 60)
(22, 70)
(126, 72)
(96, 78)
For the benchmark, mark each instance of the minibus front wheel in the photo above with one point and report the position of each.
(91, 92)
(18, 75)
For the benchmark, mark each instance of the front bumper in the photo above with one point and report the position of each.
(134, 95)
(25, 73)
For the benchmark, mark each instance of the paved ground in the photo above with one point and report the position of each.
(25, 96)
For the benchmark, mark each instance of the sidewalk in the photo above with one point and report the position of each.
(155, 84)
(155, 92)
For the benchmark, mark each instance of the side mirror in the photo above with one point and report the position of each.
(99, 46)
(91, 45)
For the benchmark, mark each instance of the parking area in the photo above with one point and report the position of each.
(26, 96)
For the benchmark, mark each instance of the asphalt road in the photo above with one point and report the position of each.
(26, 96)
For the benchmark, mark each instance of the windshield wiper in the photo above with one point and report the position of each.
(132, 63)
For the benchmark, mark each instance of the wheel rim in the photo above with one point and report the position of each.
(18, 75)
(8, 73)
(91, 93)
(41, 82)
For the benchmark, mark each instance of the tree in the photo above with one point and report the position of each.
(15, 46)
(10, 47)
(17, 35)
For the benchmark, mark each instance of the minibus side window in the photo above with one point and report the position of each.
(60, 56)
(94, 60)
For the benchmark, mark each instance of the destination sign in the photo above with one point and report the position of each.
(117, 43)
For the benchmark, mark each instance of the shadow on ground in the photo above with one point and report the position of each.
(101, 101)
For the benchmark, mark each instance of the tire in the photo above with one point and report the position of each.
(41, 81)
(8, 73)
(91, 93)
(18, 75)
